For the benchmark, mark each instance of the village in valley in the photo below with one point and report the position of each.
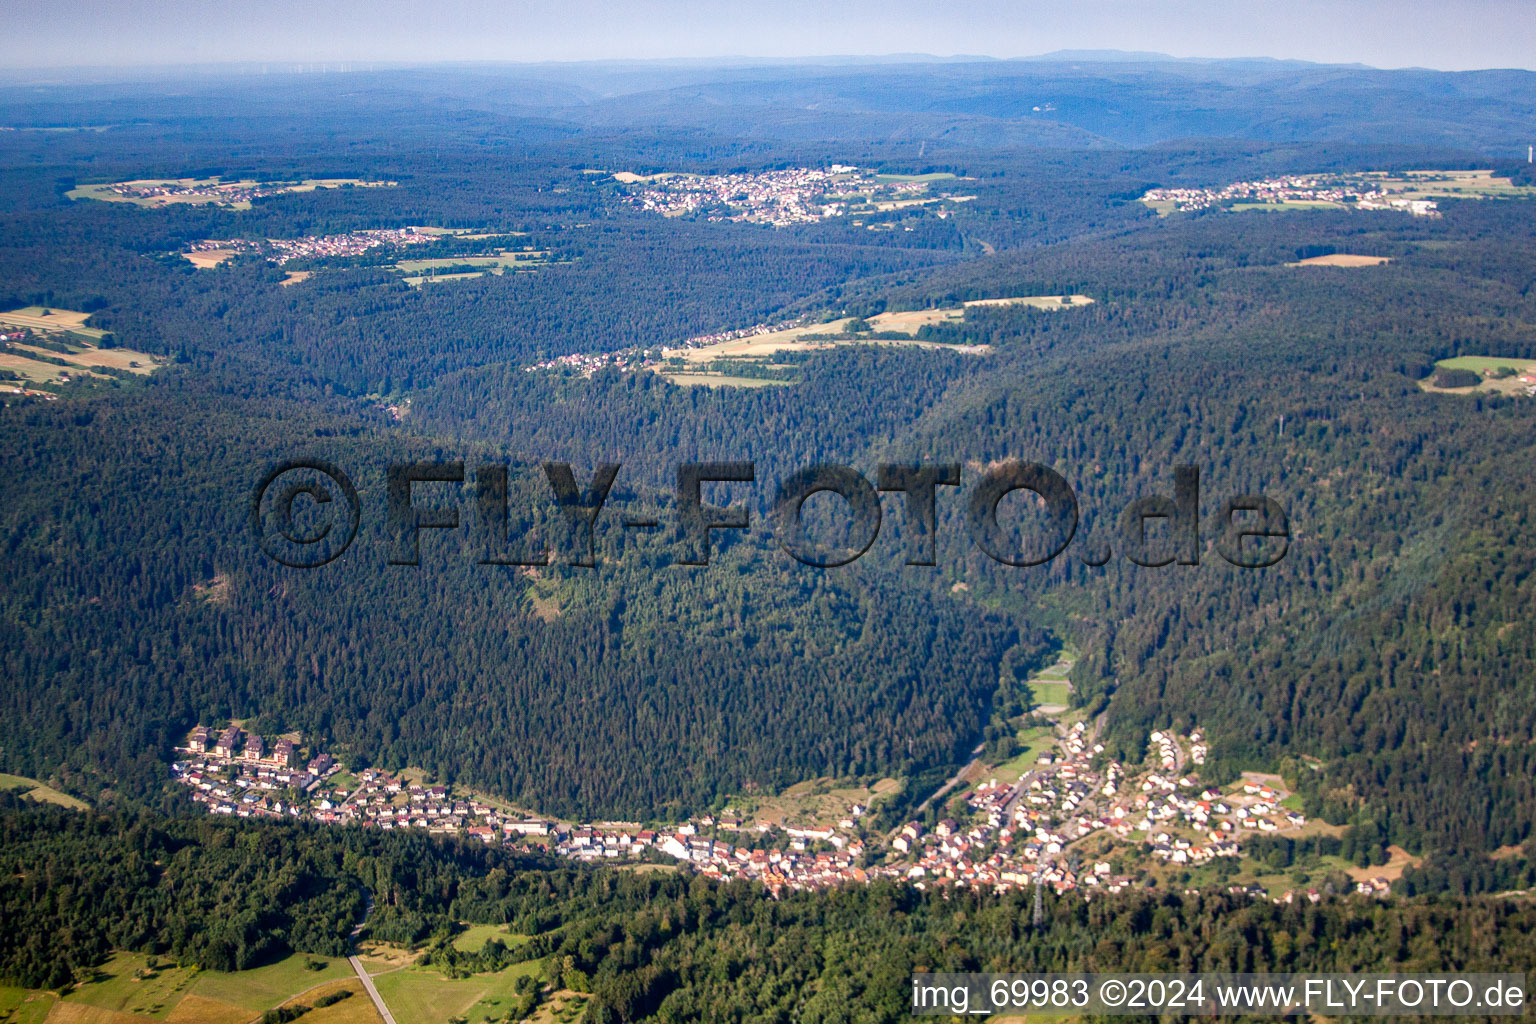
(1062, 815)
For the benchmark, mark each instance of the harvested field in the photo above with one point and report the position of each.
(208, 258)
(1342, 259)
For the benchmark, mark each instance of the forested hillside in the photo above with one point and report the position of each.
(1384, 667)
(658, 946)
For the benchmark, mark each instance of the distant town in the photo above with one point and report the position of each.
(161, 192)
(212, 251)
(1302, 191)
(1075, 820)
(796, 195)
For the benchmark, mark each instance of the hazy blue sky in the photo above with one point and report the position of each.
(1452, 34)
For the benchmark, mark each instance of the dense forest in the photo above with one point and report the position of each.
(656, 946)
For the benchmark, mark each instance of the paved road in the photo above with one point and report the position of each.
(954, 780)
(373, 993)
(362, 972)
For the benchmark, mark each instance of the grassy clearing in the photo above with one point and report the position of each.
(707, 379)
(506, 259)
(417, 280)
(126, 984)
(127, 988)
(418, 995)
(211, 190)
(1036, 740)
(823, 801)
(469, 233)
(198, 1010)
(356, 1009)
(30, 370)
(40, 791)
(887, 205)
(1510, 385)
(1051, 302)
(80, 1013)
(23, 1006)
(476, 935)
(1483, 364)
(261, 989)
(1398, 861)
(1050, 695)
(934, 176)
(379, 957)
(1050, 687)
(1287, 204)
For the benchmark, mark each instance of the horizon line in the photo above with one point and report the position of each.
(288, 65)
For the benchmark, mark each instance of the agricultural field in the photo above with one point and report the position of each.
(41, 318)
(69, 345)
(1431, 184)
(712, 364)
(1342, 259)
(234, 195)
(207, 259)
(811, 337)
(1412, 192)
(131, 987)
